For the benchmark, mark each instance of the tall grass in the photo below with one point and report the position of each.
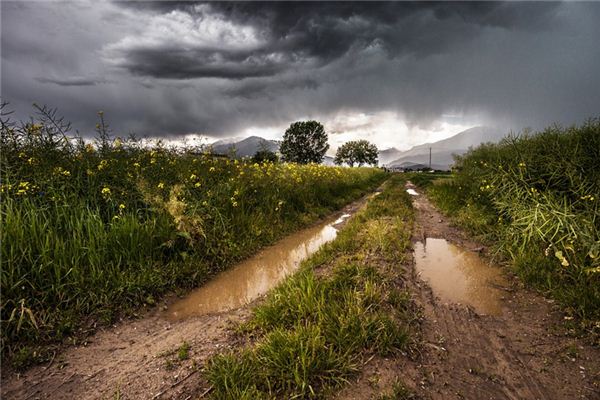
(537, 197)
(92, 230)
(316, 329)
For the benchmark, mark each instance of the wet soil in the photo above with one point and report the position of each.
(521, 353)
(459, 276)
(138, 359)
(255, 276)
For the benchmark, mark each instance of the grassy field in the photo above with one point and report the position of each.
(89, 232)
(346, 304)
(536, 198)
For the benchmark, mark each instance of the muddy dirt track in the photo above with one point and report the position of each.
(522, 353)
(137, 359)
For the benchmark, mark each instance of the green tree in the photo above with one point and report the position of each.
(304, 142)
(265, 155)
(356, 152)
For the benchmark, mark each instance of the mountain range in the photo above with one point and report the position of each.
(245, 147)
(441, 151)
(248, 147)
(415, 158)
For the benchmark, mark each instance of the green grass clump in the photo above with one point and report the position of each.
(93, 230)
(317, 328)
(399, 392)
(537, 197)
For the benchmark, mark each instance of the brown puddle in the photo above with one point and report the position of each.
(255, 276)
(459, 276)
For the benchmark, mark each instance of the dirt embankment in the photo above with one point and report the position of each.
(523, 353)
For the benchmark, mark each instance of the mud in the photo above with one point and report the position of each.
(137, 359)
(255, 276)
(459, 276)
(524, 353)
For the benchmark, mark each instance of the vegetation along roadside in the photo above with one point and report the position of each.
(534, 197)
(346, 303)
(89, 231)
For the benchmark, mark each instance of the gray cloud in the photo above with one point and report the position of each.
(73, 81)
(292, 33)
(218, 68)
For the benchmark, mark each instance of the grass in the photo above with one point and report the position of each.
(93, 231)
(536, 197)
(317, 328)
(399, 392)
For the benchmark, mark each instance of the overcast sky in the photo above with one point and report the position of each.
(398, 74)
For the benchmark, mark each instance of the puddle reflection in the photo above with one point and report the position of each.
(459, 276)
(255, 276)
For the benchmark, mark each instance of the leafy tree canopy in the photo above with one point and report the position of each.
(264, 155)
(356, 152)
(304, 142)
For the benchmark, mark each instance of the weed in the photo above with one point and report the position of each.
(183, 352)
(535, 196)
(316, 331)
(399, 392)
(93, 231)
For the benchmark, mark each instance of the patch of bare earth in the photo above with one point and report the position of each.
(522, 354)
(137, 359)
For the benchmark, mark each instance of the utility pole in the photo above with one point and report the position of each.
(430, 158)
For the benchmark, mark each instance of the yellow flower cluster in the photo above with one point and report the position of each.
(61, 171)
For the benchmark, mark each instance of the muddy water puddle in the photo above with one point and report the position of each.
(460, 276)
(257, 275)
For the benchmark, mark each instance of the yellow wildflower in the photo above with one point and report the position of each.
(161, 185)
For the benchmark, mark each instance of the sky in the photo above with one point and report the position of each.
(398, 73)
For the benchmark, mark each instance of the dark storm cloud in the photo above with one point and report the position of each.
(73, 81)
(198, 63)
(292, 33)
(168, 68)
(328, 30)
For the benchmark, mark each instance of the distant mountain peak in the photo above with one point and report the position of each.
(442, 151)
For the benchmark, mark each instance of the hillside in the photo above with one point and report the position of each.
(246, 147)
(387, 155)
(442, 151)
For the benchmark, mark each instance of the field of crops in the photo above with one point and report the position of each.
(536, 197)
(89, 231)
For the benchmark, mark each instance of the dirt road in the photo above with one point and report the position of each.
(138, 359)
(521, 354)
